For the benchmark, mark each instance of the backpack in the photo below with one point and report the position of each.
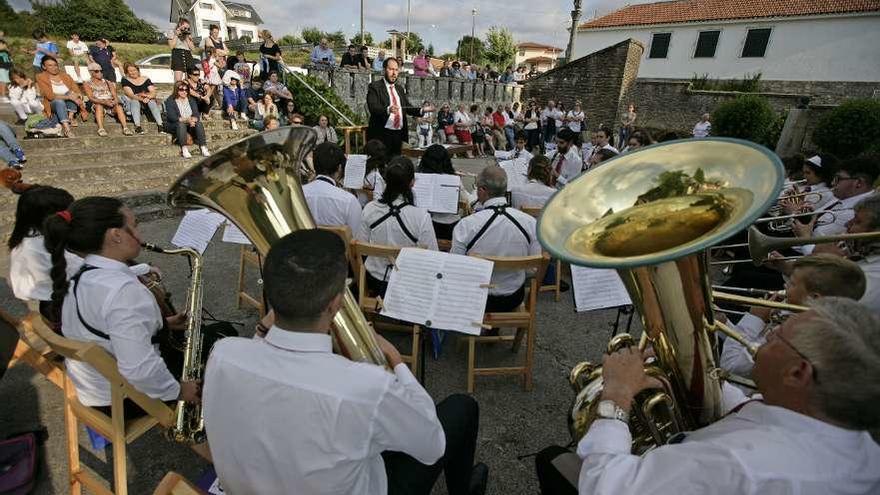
(19, 460)
(39, 126)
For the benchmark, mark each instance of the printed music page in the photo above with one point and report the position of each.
(197, 229)
(517, 173)
(437, 192)
(355, 170)
(597, 289)
(233, 235)
(438, 290)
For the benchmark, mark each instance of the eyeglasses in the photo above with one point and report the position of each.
(182, 89)
(96, 70)
(296, 122)
(776, 333)
(840, 178)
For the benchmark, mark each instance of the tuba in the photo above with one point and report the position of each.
(651, 215)
(255, 184)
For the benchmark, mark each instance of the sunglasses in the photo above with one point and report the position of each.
(96, 70)
(297, 122)
(182, 89)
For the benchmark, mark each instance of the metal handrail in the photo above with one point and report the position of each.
(299, 78)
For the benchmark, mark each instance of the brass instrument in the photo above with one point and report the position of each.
(651, 215)
(255, 184)
(782, 223)
(760, 245)
(189, 424)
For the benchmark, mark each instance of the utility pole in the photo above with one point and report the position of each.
(575, 17)
(362, 23)
(407, 25)
(473, 31)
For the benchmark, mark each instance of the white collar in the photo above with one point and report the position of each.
(499, 201)
(854, 200)
(325, 182)
(99, 261)
(299, 341)
(764, 414)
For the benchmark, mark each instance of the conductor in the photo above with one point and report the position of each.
(389, 106)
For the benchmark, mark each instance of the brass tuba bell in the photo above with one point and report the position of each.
(650, 215)
(255, 184)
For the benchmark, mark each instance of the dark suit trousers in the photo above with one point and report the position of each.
(460, 416)
(393, 140)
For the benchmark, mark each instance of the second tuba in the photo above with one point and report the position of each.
(255, 184)
(650, 215)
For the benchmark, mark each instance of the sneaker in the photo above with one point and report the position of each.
(19, 153)
(138, 129)
(234, 125)
(127, 132)
(184, 152)
(21, 122)
(16, 165)
(479, 479)
(102, 132)
(204, 150)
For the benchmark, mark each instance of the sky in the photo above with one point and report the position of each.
(438, 22)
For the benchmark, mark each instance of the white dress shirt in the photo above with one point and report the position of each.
(735, 358)
(534, 194)
(112, 300)
(760, 449)
(514, 155)
(702, 129)
(572, 165)
(554, 114)
(389, 232)
(371, 181)
(574, 120)
(825, 196)
(331, 205)
(29, 266)
(871, 266)
(502, 238)
(393, 99)
(843, 213)
(286, 416)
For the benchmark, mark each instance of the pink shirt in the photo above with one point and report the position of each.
(420, 66)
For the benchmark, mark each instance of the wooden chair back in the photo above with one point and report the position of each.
(175, 484)
(360, 251)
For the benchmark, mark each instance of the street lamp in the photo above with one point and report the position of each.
(473, 33)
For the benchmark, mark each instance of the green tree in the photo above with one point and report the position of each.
(746, 117)
(312, 35)
(500, 48)
(850, 129)
(468, 46)
(93, 19)
(290, 39)
(368, 39)
(430, 50)
(337, 39)
(414, 43)
(312, 107)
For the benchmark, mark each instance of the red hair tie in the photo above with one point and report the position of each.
(65, 214)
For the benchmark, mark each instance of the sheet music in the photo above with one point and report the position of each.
(197, 228)
(438, 290)
(597, 288)
(437, 192)
(517, 172)
(234, 235)
(355, 170)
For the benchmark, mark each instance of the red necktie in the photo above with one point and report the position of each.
(396, 121)
(559, 162)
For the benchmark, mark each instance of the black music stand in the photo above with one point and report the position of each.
(628, 310)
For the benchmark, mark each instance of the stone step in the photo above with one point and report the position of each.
(103, 157)
(113, 127)
(35, 147)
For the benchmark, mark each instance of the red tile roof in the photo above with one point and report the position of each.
(536, 60)
(677, 11)
(532, 44)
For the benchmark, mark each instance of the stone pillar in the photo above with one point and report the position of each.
(402, 54)
(467, 91)
(793, 132)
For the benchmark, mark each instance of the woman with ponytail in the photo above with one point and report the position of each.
(29, 262)
(393, 220)
(105, 303)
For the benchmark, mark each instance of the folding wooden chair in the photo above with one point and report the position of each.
(555, 287)
(371, 305)
(350, 137)
(33, 350)
(522, 319)
(175, 484)
(113, 427)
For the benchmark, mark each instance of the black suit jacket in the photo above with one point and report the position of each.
(378, 103)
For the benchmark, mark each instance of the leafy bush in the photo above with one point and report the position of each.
(850, 129)
(311, 107)
(747, 117)
(93, 19)
(750, 83)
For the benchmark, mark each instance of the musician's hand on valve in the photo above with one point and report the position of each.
(190, 392)
(776, 262)
(390, 352)
(176, 322)
(803, 230)
(624, 376)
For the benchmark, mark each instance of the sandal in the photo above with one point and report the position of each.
(102, 132)
(127, 132)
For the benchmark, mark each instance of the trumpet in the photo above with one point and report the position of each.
(760, 245)
(782, 223)
(749, 291)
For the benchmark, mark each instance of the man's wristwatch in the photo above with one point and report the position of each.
(608, 409)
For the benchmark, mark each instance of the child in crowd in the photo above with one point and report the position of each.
(5, 67)
(426, 126)
(23, 96)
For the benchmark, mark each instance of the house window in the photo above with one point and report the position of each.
(206, 24)
(756, 42)
(206, 6)
(706, 44)
(660, 45)
(248, 34)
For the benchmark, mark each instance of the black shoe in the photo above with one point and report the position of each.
(138, 129)
(479, 479)
(563, 286)
(20, 122)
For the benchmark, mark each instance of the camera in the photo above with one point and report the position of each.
(184, 32)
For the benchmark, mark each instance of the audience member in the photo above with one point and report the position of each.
(61, 96)
(446, 125)
(328, 202)
(378, 61)
(139, 92)
(79, 55)
(10, 151)
(322, 55)
(183, 119)
(287, 113)
(478, 133)
(575, 121)
(234, 99)
(181, 43)
(422, 64)
(104, 55)
(211, 76)
(23, 96)
(532, 126)
(351, 59)
(277, 89)
(265, 108)
(703, 128)
(200, 91)
(365, 62)
(44, 47)
(104, 100)
(270, 55)
(243, 68)
(463, 124)
(507, 77)
(271, 123)
(497, 126)
(425, 124)
(326, 133)
(510, 124)
(627, 123)
(215, 43)
(551, 120)
(520, 75)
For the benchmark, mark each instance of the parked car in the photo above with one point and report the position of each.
(159, 61)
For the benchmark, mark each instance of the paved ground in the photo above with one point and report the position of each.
(513, 422)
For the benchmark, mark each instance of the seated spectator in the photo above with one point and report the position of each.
(235, 101)
(377, 157)
(446, 125)
(139, 92)
(639, 139)
(23, 96)
(10, 151)
(254, 95)
(61, 96)
(538, 190)
(328, 202)
(211, 71)
(104, 55)
(199, 90)
(265, 108)
(297, 120)
(287, 113)
(271, 123)
(243, 68)
(322, 55)
(326, 134)
(103, 99)
(277, 89)
(436, 160)
(463, 123)
(184, 119)
(498, 230)
(394, 220)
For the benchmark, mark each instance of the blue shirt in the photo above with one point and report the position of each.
(319, 54)
(48, 46)
(377, 64)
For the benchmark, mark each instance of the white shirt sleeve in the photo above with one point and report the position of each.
(132, 313)
(735, 358)
(354, 221)
(427, 236)
(459, 241)
(406, 420)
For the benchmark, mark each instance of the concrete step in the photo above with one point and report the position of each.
(113, 127)
(35, 147)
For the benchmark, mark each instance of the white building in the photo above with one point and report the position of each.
(784, 40)
(236, 19)
(536, 56)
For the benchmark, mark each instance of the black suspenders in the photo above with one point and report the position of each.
(394, 211)
(75, 279)
(497, 212)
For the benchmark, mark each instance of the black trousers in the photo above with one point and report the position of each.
(444, 230)
(509, 302)
(460, 416)
(393, 140)
(180, 130)
(551, 481)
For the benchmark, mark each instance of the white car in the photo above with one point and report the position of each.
(158, 67)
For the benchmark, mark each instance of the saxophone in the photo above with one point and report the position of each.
(189, 424)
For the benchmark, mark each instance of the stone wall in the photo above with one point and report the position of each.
(825, 92)
(351, 86)
(601, 80)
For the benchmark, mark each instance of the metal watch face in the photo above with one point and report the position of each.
(607, 409)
